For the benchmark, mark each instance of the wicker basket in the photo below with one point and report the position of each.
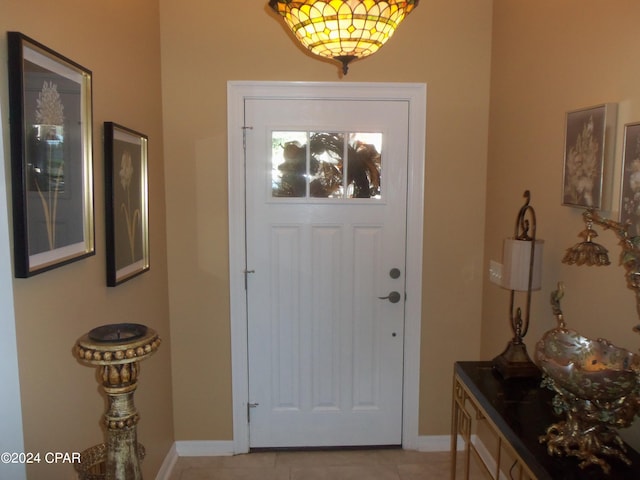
(93, 462)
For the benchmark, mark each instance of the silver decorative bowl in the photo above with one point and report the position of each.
(597, 387)
(590, 369)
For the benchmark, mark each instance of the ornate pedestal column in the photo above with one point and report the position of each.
(116, 350)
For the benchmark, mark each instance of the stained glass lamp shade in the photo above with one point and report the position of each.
(343, 29)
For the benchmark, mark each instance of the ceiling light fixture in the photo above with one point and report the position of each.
(343, 30)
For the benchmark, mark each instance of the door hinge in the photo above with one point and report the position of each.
(249, 407)
(244, 136)
(246, 277)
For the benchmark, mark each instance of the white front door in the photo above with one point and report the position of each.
(326, 200)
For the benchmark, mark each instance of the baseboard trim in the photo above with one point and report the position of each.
(192, 448)
(217, 448)
(487, 458)
(434, 443)
(204, 448)
(168, 464)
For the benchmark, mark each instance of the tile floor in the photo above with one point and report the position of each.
(382, 464)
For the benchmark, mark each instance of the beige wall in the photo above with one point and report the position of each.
(62, 408)
(550, 57)
(444, 44)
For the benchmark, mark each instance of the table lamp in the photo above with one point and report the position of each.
(521, 272)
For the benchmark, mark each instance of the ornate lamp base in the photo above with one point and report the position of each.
(116, 351)
(514, 362)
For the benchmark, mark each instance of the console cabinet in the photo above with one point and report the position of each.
(495, 428)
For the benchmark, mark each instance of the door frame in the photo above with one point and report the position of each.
(416, 95)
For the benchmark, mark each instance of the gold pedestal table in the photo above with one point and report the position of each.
(116, 351)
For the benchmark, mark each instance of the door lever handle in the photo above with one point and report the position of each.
(393, 297)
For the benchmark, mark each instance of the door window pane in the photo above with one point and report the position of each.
(312, 164)
(327, 153)
(364, 169)
(289, 164)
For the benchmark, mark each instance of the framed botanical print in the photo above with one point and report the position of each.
(126, 203)
(51, 157)
(588, 158)
(630, 186)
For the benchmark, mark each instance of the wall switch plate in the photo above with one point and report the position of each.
(495, 272)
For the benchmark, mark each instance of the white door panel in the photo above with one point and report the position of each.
(325, 353)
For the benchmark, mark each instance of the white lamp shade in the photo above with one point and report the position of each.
(516, 259)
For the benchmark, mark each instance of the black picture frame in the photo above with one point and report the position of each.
(50, 107)
(126, 203)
